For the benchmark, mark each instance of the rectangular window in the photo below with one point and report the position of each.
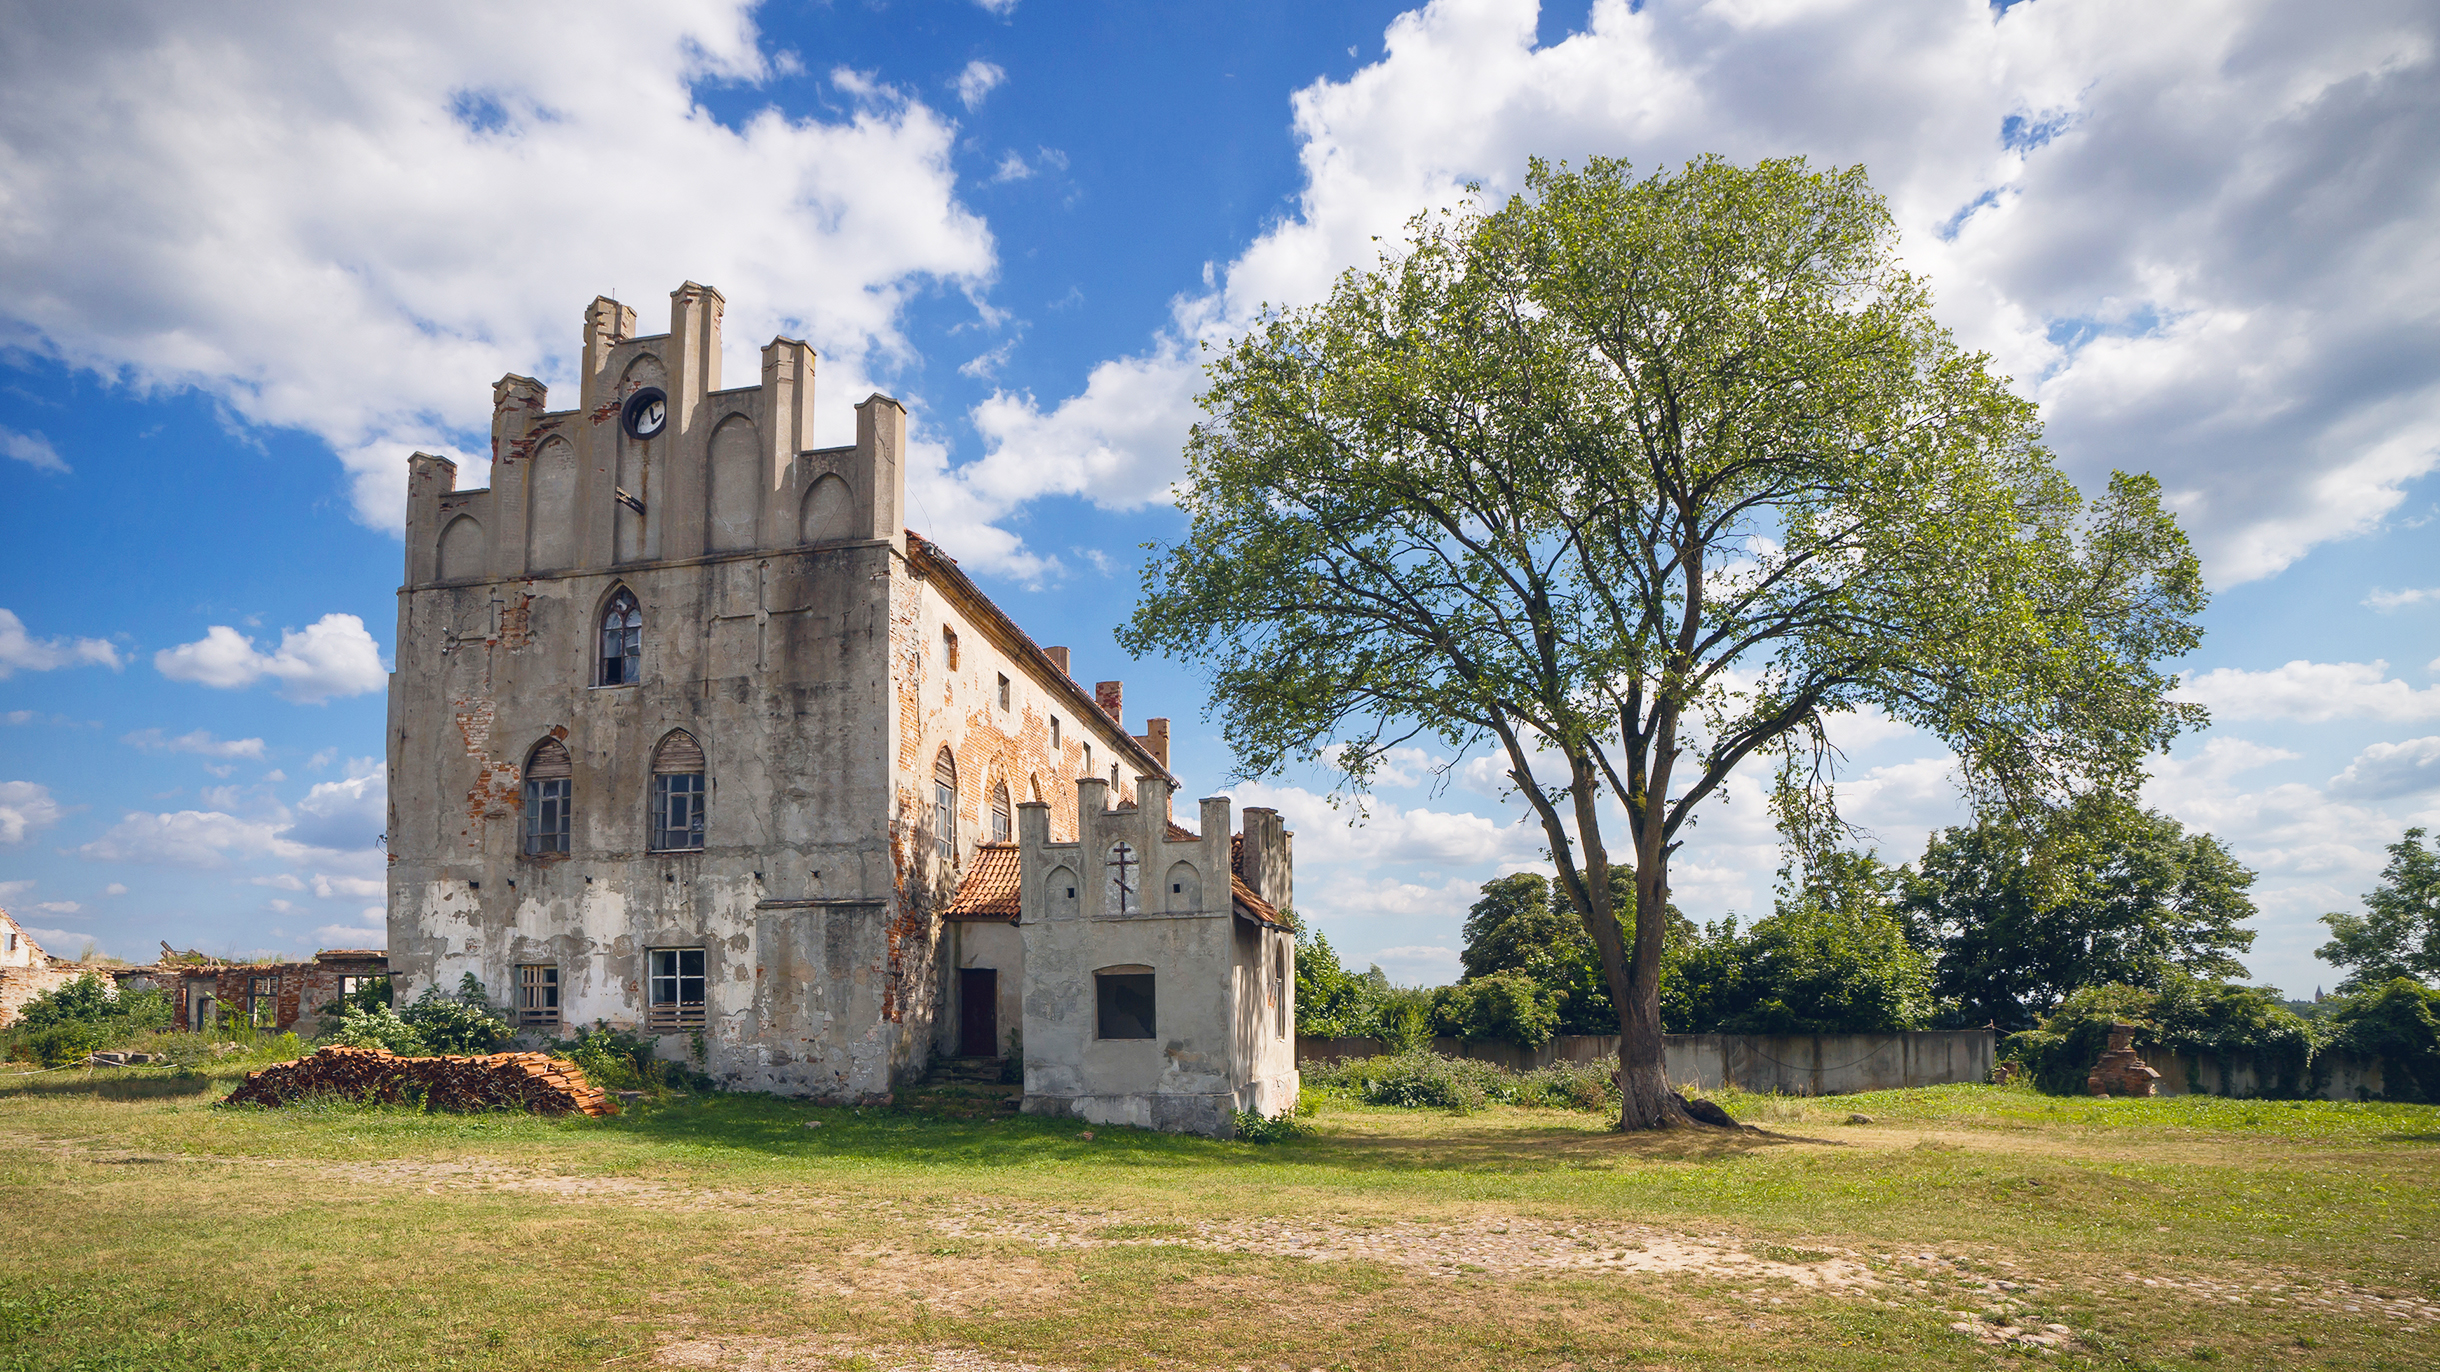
(677, 811)
(1088, 759)
(1003, 692)
(263, 1002)
(1125, 1004)
(676, 998)
(1054, 731)
(538, 996)
(948, 648)
(546, 816)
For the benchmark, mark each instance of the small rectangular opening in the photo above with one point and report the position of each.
(538, 996)
(1003, 692)
(1124, 1002)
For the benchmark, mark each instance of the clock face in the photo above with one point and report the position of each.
(647, 413)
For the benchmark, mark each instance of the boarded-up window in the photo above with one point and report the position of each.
(944, 803)
(538, 996)
(1123, 1002)
(549, 776)
(622, 654)
(1001, 818)
(677, 794)
(675, 1000)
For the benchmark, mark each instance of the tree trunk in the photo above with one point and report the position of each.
(1645, 1100)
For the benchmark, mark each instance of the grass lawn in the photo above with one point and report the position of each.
(1961, 1227)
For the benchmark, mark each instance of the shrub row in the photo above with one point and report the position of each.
(1420, 1077)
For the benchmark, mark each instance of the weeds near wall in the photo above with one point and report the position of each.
(1421, 1079)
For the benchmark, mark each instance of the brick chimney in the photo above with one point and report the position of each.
(1106, 695)
(1059, 659)
(1268, 864)
(1155, 739)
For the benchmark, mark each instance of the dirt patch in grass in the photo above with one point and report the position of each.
(738, 1354)
(1502, 1245)
(950, 1282)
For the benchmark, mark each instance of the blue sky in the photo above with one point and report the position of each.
(252, 260)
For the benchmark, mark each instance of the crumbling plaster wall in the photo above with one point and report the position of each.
(1185, 1077)
(786, 625)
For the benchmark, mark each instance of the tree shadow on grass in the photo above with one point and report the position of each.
(774, 1127)
(116, 1088)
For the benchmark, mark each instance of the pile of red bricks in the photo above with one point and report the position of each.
(535, 1082)
(2122, 1071)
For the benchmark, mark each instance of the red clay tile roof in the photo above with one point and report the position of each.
(991, 887)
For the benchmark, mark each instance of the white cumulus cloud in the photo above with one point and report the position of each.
(21, 652)
(24, 807)
(2385, 601)
(2386, 771)
(331, 657)
(2311, 692)
(2180, 227)
(198, 198)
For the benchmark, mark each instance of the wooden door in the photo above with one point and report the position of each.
(978, 1012)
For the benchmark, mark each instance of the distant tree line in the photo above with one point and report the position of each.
(2048, 931)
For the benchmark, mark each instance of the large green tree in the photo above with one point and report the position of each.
(1629, 481)
(2023, 912)
(2398, 935)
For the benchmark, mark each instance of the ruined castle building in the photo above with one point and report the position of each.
(688, 734)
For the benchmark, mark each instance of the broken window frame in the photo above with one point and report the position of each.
(537, 995)
(944, 805)
(263, 1002)
(620, 661)
(670, 976)
(679, 794)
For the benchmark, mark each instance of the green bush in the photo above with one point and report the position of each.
(62, 1025)
(464, 1023)
(1509, 1007)
(1422, 1079)
(1253, 1128)
(378, 1027)
(616, 1060)
(2238, 1025)
(2398, 1022)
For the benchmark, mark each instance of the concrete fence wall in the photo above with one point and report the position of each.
(1796, 1064)
(2341, 1076)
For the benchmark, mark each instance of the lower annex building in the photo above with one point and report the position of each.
(689, 734)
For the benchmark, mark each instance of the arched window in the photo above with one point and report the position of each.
(1001, 816)
(944, 803)
(622, 656)
(548, 812)
(677, 794)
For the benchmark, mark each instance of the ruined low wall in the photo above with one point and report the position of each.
(1796, 1064)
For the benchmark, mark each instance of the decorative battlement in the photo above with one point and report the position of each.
(657, 463)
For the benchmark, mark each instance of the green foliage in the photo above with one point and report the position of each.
(64, 1024)
(2238, 1025)
(1420, 1078)
(2399, 933)
(2024, 914)
(2398, 1022)
(1546, 483)
(376, 1027)
(1510, 1007)
(1332, 1002)
(1284, 1128)
(617, 1060)
(464, 1023)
